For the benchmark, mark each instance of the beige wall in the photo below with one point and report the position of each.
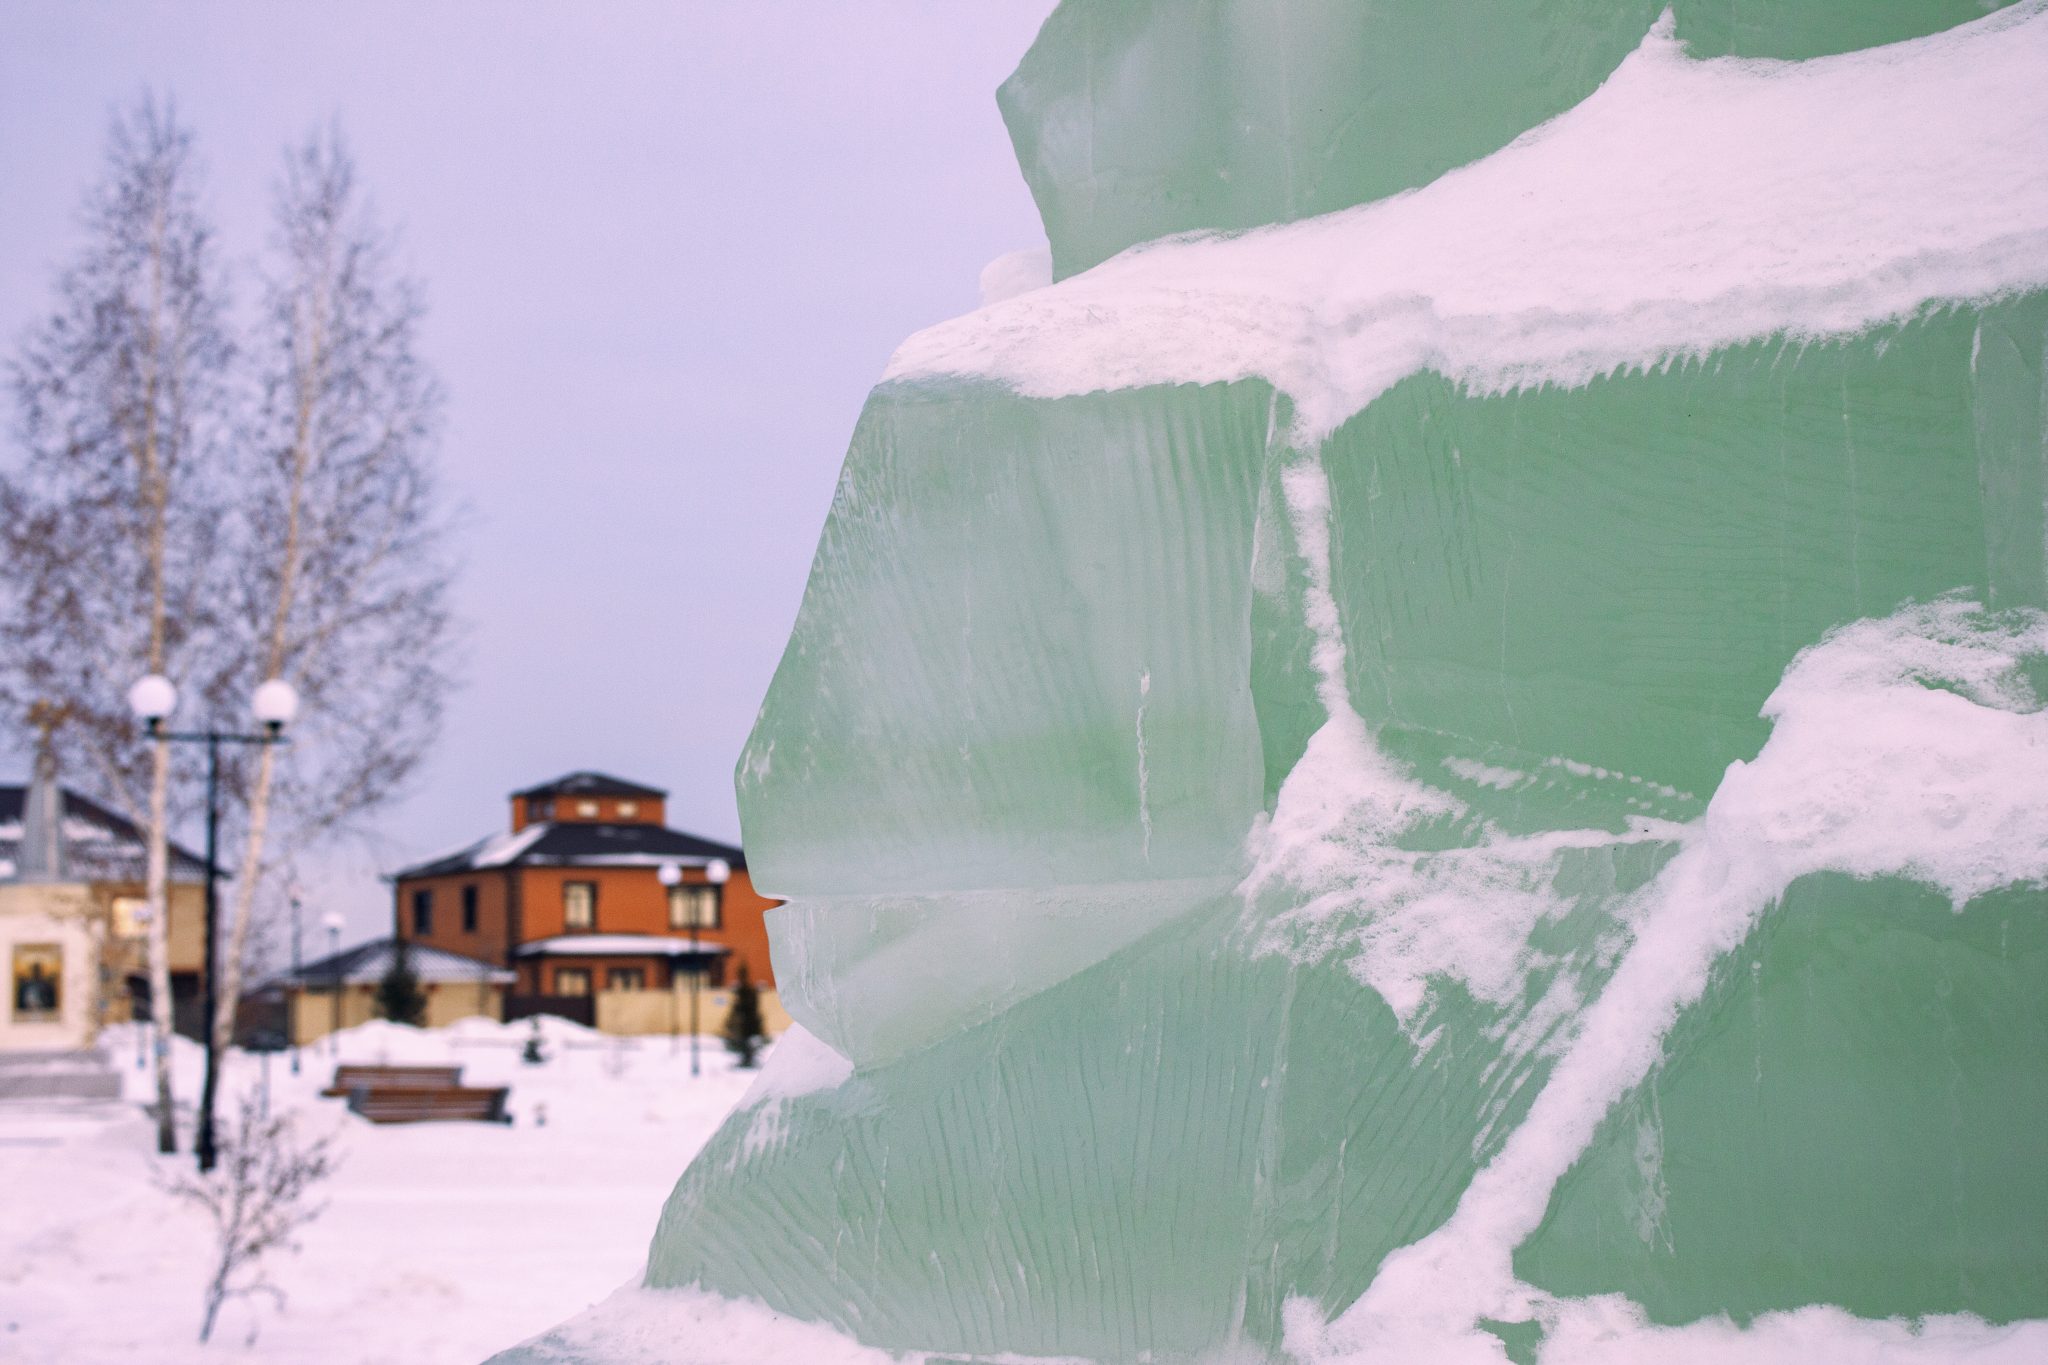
(619, 1012)
(643, 1012)
(58, 914)
(312, 1011)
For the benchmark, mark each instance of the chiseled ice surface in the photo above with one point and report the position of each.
(1686, 205)
(1461, 779)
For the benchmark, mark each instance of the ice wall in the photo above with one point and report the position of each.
(1458, 779)
(1134, 119)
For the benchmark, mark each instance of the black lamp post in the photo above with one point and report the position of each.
(716, 873)
(296, 1000)
(274, 704)
(332, 921)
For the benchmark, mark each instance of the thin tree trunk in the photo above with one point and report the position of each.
(160, 942)
(155, 491)
(246, 878)
(274, 661)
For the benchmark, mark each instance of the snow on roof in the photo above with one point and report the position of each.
(622, 945)
(99, 845)
(1684, 206)
(367, 963)
(581, 844)
(500, 849)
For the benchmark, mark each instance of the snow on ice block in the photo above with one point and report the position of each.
(1136, 119)
(1461, 780)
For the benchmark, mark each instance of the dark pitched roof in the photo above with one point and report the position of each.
(368, 962)
(593, 784)
(579, 844)
(99, 846)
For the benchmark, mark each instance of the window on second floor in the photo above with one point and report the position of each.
(423, 911)
(469, 909)
(693, 906)
(628, 809)
(586, 810)
(579, 905)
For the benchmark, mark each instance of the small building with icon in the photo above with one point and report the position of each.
(74, 920)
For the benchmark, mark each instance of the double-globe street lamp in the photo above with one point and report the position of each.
(716, 873)
(274, 703)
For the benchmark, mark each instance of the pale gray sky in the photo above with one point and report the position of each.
(667, 247)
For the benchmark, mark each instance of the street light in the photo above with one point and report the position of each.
(717, 872)
(293, 893)
(275, 702)
(332, 922)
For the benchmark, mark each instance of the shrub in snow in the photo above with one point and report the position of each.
(399, 997)
(743, 1032)
(258, 1197)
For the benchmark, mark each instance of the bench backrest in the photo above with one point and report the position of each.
(351, 1077)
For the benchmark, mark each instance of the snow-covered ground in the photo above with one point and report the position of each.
(439, 1242)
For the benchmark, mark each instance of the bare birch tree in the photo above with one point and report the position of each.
(108, 528)
(342, 583)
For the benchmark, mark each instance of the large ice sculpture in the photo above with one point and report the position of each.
(1458, 779)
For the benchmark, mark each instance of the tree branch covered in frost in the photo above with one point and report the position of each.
(258, 1197)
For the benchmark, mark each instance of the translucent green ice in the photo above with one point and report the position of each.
(1138, 118)
(1461, 779)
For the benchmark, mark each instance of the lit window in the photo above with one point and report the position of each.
(38, 982)
(572, 981)
(693, 906)
(626, 979)
(579, 905)
(131, 917)
(587, 809)
(628, 809)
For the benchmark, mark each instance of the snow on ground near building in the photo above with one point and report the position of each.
(440, 1242)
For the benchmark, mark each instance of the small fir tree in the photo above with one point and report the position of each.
(399, 997)
(743, 1032)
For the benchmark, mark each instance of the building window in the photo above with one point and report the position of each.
(540, 810)
(693, 906)
(469, 909)
(38, 982)
(626, 979)
(587, 809)
(628, 809)
(131, 917)
(579, 905)
(572, 981)
(423, 912)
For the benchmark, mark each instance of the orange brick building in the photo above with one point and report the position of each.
(570, 897)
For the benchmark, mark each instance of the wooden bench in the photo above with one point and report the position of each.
(415, 1104)
(350, 1078)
